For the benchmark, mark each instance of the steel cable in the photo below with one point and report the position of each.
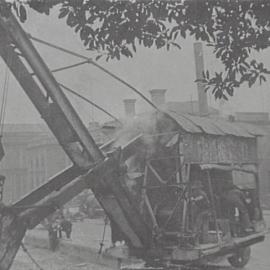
(31, 257)
(67, 67)
(90, 61)
(89, 101)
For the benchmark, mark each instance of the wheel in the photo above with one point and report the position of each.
(240, 258)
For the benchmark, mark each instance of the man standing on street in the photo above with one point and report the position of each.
(235, 201)
(200, 210)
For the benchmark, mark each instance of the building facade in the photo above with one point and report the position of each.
(14, 165)
(32, 156)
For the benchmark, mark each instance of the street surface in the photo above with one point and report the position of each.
(52, 261)
(260, 255)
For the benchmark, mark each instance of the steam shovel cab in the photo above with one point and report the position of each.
(173, 152)
(222, 233)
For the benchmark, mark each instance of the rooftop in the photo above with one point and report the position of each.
(214, 125)
(25, 128)
(190, 107)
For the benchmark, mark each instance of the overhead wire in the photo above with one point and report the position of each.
(90, 61)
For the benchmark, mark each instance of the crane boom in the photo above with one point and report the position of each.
(91, 168)
(59, 104)
(154, 216)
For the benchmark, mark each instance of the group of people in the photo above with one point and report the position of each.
(56, 229)
(235, 209)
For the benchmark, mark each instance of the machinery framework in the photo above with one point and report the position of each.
(103, 170)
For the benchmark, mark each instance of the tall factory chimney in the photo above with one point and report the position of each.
(199, 64)
(129, 105)
(158, 97)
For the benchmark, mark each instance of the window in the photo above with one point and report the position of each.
(42, 162)
(37, 163)
(268, 181)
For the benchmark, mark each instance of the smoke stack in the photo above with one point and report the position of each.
(129, 105)
(158, 96)
(202, 96)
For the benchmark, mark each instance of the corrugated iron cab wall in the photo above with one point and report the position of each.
(205, 140)
(202, 140)
(205, 148)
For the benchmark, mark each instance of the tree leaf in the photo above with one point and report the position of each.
(176, 45)
(63, 12)
(98, 57)
(22, 13)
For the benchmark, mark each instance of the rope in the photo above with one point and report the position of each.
(3, 100)
(101, 244)
(90, 61)
(89, 101)
(4, 96)
(31, 257)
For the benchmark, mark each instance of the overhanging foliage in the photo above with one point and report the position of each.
(233, 28)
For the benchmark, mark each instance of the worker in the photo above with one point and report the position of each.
(66, 226)
(2, 181)
(200, 210)
(53, 239)
(2, 151)
(116, 234)
(235, 203)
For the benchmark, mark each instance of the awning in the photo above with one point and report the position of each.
(226, 168)
(243, 178)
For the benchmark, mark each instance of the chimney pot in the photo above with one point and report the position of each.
(158, 97)
(129, 105)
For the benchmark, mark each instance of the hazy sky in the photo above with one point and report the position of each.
(148, 69)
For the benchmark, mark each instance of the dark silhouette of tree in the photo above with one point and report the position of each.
(114, 28)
